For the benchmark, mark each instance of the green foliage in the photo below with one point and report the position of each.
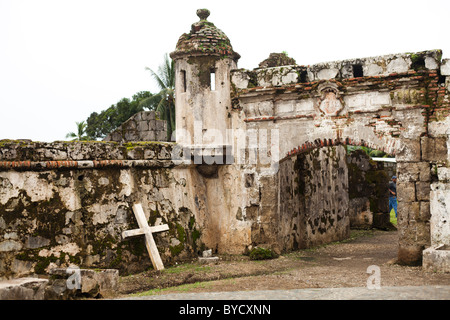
(370, 152)
(164, 101)
(81, 132)
(259, 253)
(101, 124)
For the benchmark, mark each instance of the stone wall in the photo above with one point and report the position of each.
(68, 203)
(143, 126)
(398, 103)
(313, 201)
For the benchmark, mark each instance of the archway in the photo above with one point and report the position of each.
(413, 197)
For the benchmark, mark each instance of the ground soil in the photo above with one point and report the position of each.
(340, 264)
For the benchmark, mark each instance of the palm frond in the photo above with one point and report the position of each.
(151, 102)
(155, 76)
(165, 77)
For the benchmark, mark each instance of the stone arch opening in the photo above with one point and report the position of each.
(369, 174)
(413, 189)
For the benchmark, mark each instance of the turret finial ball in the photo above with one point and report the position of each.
(203, 14)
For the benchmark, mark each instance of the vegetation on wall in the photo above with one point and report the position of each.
(99, 125)
(370, 152)
(164, 101)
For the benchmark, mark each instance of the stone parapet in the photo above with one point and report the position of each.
(15, 154)
(338, 70)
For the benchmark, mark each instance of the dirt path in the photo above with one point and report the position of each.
(342, 264)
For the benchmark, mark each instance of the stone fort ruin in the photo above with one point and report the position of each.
(259, 159)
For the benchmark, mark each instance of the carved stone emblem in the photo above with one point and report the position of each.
(330, 102)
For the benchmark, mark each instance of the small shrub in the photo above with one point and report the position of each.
(261, 254)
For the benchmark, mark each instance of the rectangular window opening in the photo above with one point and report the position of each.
(213, 79)
(357, 71)
(303, 76)
(183, 80)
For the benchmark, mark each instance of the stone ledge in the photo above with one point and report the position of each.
(84, 164)
(93, 283)
(23, 289)
(437, 259)
(208, 259)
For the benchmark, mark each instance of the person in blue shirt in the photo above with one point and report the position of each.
(393, 195)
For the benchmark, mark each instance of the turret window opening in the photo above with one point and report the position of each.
(213, 79)
(183, 80)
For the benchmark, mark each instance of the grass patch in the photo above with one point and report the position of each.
(179, 289)
(186, 267)
(393, 219)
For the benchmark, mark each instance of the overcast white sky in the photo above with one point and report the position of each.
(61, 60)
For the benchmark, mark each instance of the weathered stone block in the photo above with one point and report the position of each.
(23, 289)
(372, 69)
(431, 63)
(424, 212)
(409, 151)
(413, 171)
(326, 74)
(434, 149)
(160, 125)
(91, 282)
(424, 171)
(131, 136)
(440, 208)
(398, 65)
(443, 174)
(10, 245)
(406, 192)
(161, 135)
(445, 67)
(240, 79)
(407, 172)
(423, 233)
(409, 210)
(130, 124)
(142, 126)
(148, 115)
(437, 259)
(423, 191)
(36, 242)
(148, 136)
(152, 124)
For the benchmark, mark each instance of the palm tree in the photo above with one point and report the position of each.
(164, 101)
(81, 132)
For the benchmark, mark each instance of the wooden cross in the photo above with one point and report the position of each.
(146, 230)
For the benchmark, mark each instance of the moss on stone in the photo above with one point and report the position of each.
(259, 253)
